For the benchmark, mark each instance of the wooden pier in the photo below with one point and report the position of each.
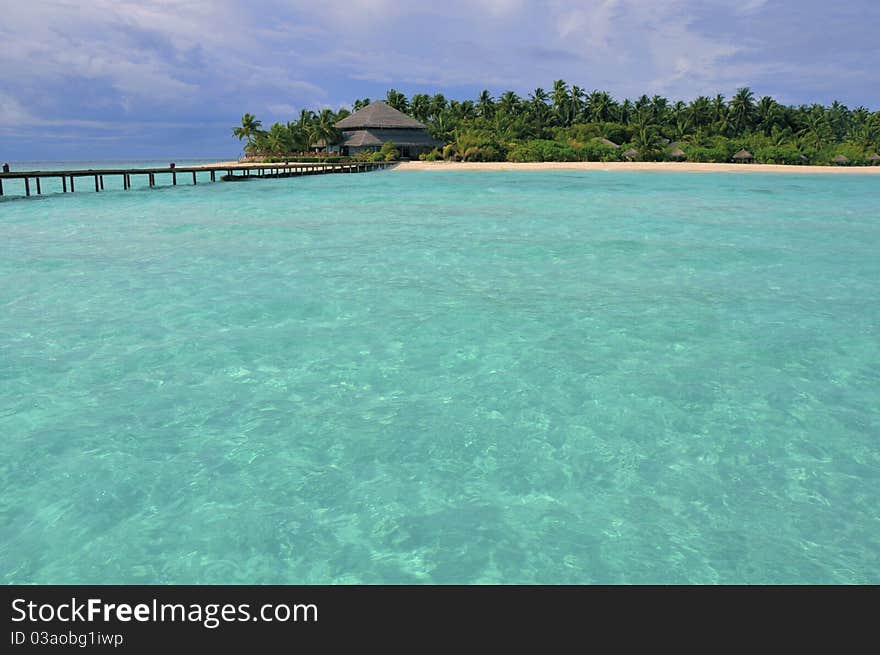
(225, 173)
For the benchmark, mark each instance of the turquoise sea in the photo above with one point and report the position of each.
(447, 377)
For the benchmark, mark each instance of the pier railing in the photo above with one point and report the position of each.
(187, 174)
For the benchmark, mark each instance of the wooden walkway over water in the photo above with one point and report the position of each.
(188, 174)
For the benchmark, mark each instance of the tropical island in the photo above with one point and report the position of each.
(569, 125)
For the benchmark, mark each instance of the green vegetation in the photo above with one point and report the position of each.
(568, 124)
(285, 139)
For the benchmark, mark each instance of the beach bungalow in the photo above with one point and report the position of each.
(841, 160)
(376, 124)
(607, 142)
(631, 154)
(874, 159)
(744, 157)
(678, 154)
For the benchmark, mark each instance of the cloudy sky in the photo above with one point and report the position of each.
(108, 79)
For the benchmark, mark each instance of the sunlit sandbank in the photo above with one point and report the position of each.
(677, 167)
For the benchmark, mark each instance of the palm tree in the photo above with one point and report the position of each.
(323, 128)
(397, 100)
(420, 107)
(701, 111)
(641, 103)
(648, 142)
(626, 111)
(250, 128)
(682, 128)
(278, 139)
(659, 109)
(817, 131)
(719, 108)
(538, 106)
(509, 103)
(838, 118)
(438, 104)
(486, 105)
(561, 104)
(577, 103)
(767, 113)
(600, 106)
(742, 107)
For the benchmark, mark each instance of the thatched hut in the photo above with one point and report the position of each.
(678, 154)
(841, 160)
(874, 159)
(378, 123)
(632, 153)
(744, 157)
(607, 142)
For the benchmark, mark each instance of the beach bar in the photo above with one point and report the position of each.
(377, 124)
(228, 173)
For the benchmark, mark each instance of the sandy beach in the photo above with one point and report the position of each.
(678, 167)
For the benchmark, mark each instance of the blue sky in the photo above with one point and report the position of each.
(109, 79)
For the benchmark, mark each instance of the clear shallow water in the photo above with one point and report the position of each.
(443, 377)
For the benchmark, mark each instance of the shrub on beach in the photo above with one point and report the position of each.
(389, 152)
(597, 151)
(538, 150)
(450, 152)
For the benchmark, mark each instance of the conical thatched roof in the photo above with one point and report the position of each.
(607, 142)
(841, 159)
(743, 155)
(874, 157)
(676, 144)
(632, 152)
(678, 153)
(379, 114)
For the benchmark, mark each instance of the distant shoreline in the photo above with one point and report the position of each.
(667, 167)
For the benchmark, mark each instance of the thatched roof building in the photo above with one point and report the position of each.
(874, 159)
(378, 123)
(743, 156)
(632, 153)
(678, 153)
(841, 159)
(607, 142)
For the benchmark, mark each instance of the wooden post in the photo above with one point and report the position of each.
(27, 187)
(39, 190)
(102, 183)
(213, 178)
(152, 180)
(1, 186)
(72, 189)
(194, 178)
(64, 184)
(174, 178)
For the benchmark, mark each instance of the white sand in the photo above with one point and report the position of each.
(680, 167)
